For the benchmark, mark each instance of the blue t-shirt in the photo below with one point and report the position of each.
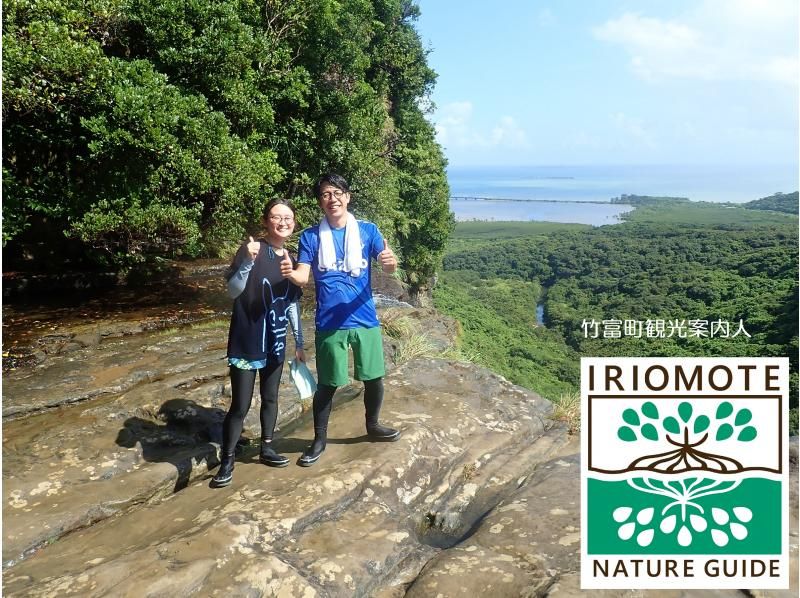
(343, 301)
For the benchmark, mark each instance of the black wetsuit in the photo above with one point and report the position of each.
(257, 333)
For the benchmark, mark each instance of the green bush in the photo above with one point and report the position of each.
(146, 128)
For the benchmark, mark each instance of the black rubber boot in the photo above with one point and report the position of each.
(312, 454)
(225, 472)
(323, 402)
(382, 433)
(373, 399)
(269, 457)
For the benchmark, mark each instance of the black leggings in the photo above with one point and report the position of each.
(323, 401)
(242, 384)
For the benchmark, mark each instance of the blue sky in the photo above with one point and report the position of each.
(614, 81)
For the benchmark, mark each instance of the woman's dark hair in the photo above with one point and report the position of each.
(277, 202)
(331, 178)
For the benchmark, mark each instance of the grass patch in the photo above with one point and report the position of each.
(212, 324)
(414, 346)
(216, 323)
(396, 324)
(411, 344)
(462, 354)
(567, 409)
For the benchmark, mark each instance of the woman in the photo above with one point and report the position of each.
(264, 302)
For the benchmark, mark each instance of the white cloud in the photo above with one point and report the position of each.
(768, 17)
(455, 129)
(647, 34)
(719, 40)
(507, 132)
(451, 122)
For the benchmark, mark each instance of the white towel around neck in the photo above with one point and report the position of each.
(353, 258)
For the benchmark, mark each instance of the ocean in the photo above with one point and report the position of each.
(552, 193)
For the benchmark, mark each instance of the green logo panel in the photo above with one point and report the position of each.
(687, 515)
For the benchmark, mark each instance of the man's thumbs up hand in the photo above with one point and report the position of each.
(387, 259)
(253, 247)
(286, 264)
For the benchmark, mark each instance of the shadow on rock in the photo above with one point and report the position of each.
(185, 435)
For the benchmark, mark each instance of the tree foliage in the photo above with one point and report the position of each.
(779, 202)
(639, 270)
(137, 128)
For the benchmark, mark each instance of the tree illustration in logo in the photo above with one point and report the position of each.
(686, 434)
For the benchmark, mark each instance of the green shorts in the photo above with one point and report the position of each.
(332, 355)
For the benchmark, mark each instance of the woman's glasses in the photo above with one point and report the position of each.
(282, 219)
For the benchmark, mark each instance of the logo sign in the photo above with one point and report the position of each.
(684, 473)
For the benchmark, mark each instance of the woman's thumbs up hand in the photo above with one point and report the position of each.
(253, 247)
(286, 264)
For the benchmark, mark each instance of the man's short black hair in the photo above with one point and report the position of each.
(333, 179)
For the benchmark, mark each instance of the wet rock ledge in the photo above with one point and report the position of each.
(106, 451)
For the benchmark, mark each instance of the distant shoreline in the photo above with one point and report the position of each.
(590, 211)
(716, 183)
(466, 198)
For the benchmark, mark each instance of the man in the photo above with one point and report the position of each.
(338, 251)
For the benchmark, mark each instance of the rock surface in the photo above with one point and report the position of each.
(107, 446)
(356, 523)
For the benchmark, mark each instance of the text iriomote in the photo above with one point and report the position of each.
(745, 377)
